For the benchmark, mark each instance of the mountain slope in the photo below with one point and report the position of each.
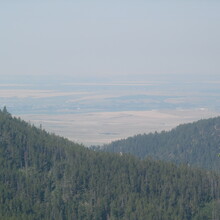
(196, 144)
(44, 176)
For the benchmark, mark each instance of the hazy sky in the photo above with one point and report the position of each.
(94, 38)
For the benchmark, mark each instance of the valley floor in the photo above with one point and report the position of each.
(104, 127)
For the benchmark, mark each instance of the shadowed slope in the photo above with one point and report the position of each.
(195, 144)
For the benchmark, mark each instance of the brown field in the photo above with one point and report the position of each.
(104, 127)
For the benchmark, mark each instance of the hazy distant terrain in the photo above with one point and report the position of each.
(96, 71)
(96, 112)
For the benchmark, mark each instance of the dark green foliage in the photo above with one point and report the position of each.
(195, 144)
(44, 176)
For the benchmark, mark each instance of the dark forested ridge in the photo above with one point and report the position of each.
(196, 144)
(44, 176)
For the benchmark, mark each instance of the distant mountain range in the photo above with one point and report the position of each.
(195, 144)
(44, 176)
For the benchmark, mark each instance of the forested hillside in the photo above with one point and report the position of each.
(44, 176)
(195, 144)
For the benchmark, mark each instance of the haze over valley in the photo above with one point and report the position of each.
(100, 71)
(94, 111)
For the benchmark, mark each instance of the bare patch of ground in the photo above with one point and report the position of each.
(104, 127)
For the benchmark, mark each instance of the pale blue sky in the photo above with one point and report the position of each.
(106, 38)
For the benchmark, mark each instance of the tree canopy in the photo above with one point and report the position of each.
(44, 176)
(195, 144)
